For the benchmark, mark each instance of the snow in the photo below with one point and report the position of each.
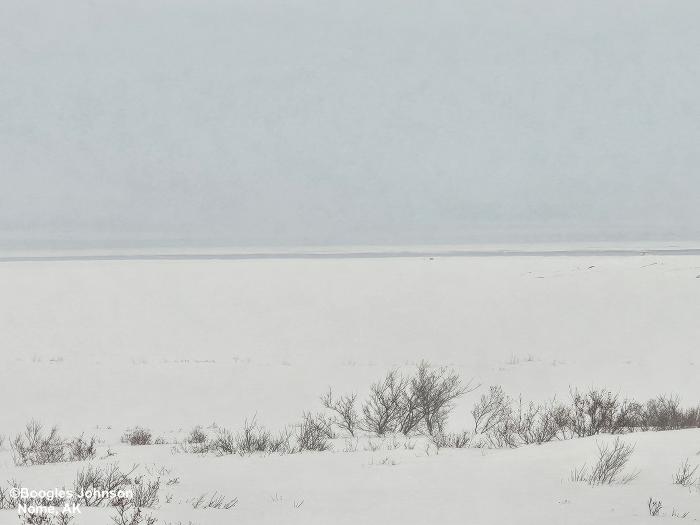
(99, 346)
(527, 485)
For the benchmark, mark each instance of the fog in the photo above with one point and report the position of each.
(260, 122)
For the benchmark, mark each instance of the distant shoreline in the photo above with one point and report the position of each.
(353, 255)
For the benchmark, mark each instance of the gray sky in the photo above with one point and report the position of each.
(373, 121)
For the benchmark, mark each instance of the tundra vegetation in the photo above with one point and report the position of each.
(399, 411)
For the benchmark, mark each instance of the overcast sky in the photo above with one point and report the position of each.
(259, 122)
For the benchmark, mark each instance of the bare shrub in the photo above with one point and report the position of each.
(540, 423)
(579, 474)
(128, 514)
(501, 422)
(410, 420)
(10, 495)
(629, 417)
(384, 408)
(215, 501)
(137, 436)
(196, 436)
(662, 413)
(691, 417)
(224, 443)
(193, 448)
(418, 403)
(493, 417)
(80, 449)
(253, 438)
(685, 476)
(34, 447)
(314, 433)
(129, 509)
(611, 464)
(345, 414)
(665, 413)
(145, 493)
(451, 439)
(199, 448)
(506, 425)
(94, 484)
(280, 443)
(106, 486)
(599, 410)
(434, 392)
(609, 467)
(592, 411)
(654, 506)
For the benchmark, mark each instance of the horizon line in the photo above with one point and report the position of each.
(349, 254)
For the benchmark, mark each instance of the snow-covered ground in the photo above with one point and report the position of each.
(528, 485)
(99, 346)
